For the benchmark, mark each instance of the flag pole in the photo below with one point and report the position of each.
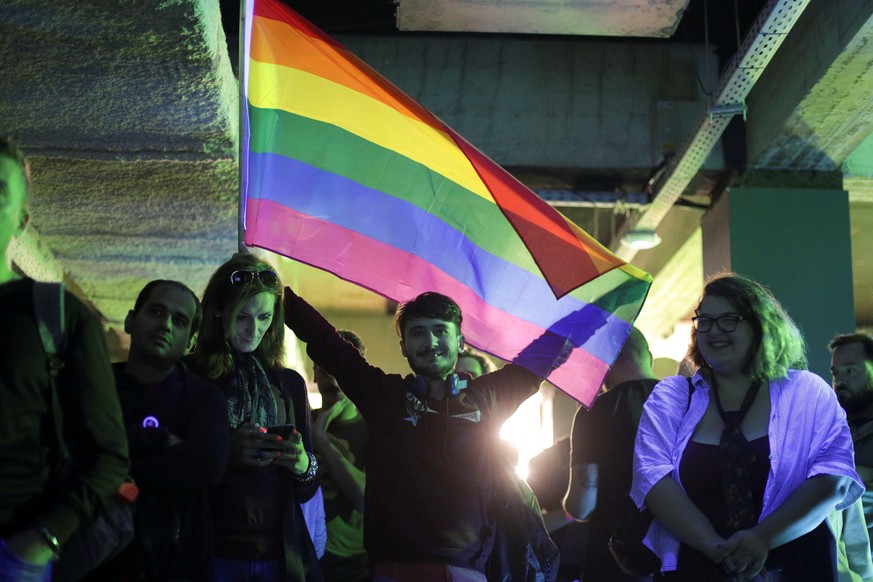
(242, 68)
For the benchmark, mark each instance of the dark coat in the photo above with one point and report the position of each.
(172, 521)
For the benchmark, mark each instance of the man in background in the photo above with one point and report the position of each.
(474, 362)
(339, 436)
(852, 379)
(601, 455)
(852, 372)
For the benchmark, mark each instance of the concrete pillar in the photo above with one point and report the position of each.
(796, 241)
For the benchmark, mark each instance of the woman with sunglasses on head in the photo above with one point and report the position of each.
(741, 464)
(258, 527)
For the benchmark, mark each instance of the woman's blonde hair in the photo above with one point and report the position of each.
(222, 301)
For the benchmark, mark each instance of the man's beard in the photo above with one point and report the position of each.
(440, 368)
(853, 402)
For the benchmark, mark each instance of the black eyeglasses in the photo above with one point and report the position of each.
(267, 278)
(725, 323)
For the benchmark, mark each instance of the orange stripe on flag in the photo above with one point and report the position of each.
(279, 43)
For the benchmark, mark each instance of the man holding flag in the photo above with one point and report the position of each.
(429, 495)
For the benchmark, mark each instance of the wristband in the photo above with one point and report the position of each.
(51, 541)
(309, 476)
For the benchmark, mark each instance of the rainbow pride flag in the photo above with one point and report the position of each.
(343, 171)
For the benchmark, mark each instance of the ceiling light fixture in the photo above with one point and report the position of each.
(727, 110)
(641, 239)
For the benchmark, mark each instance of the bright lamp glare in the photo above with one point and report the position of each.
(641, 239)
(523, 430)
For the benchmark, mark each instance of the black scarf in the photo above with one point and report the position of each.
(250, 396)
(736, 458)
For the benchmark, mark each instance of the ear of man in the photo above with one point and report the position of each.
(128, 322)
(23, 219)
(191, 341)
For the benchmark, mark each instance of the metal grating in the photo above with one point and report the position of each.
(764, 38)
(587, 199)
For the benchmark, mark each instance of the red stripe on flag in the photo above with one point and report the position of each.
(566, 256)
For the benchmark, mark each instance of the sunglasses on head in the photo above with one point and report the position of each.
(267, 278)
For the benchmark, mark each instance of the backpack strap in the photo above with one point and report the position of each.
(48, 302)
(48, 305)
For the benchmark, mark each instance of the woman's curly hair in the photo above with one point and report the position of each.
(778, 344)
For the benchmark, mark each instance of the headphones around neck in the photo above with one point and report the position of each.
(420, 386)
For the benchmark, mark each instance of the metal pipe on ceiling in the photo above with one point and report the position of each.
(763, 39)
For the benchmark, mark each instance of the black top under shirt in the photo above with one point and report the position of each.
(809, 558)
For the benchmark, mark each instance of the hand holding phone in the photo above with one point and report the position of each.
(283, 430)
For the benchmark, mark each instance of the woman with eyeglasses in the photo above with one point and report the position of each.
(259, 530)
(741, 464)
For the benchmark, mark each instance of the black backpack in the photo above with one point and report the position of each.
(112, 529)
(522, 550)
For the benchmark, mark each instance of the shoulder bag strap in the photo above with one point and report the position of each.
(48, 305)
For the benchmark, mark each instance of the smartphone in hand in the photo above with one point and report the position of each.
(283, 430)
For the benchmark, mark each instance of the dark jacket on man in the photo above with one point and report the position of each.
(173, 531)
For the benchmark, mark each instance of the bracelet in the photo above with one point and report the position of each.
(309, 476)
(51, 541)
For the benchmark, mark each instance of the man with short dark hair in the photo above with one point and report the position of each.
(340, 438)
(430, 486)
(177, 430)
(600, 476)
(37, 512)
(473, 362)
(852, 373)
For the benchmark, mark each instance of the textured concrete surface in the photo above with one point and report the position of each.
(812, 107)
(128, 111)
(549, 103)
(626, 18)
